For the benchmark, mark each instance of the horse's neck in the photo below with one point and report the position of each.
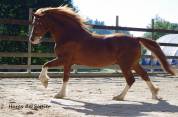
(65, 35)
(62, 31)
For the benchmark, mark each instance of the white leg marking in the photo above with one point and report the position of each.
(154, 90)
(44, 77)
(122, 95)
(63, 91)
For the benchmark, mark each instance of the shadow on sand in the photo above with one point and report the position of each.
(120, 109)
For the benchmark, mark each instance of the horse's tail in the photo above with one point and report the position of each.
(156, 50)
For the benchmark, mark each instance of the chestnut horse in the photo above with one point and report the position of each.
(75, 45)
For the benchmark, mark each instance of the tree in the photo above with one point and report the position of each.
(160, 23)
(102, 31)
(98, 31)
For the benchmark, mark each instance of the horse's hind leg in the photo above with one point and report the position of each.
(140, 71)
(129, 79)
(43, 75)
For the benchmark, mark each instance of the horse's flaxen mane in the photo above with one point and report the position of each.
(70, 17)
(65, 12)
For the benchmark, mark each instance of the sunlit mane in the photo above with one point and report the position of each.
(65, 12)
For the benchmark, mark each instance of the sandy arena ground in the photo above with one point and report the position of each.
(87, 97)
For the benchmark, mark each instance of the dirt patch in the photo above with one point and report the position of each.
(90, 97)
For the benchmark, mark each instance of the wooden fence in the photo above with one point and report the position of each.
(29, 54)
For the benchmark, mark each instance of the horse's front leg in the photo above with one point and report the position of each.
(43, 75)
(63, 92)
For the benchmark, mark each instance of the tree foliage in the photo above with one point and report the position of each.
(160, 23)
(102, 31)
(98, 31)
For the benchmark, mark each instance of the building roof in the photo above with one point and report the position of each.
(168, 50)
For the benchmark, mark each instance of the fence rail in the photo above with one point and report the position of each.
(135, 29)
(25, 39)
(15, 21)
(29, 54)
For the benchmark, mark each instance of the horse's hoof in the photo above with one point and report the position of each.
(154, 96)
(59, 96)
(118, 98)
(44, 81)
(156, 90)
(157, 98)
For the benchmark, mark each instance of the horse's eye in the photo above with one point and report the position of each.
(39, 23)
(36, 23)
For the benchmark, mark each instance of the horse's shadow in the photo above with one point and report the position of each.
(120, 109)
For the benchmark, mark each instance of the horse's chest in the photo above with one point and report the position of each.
(67, 49)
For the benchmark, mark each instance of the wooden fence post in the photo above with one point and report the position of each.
(152, 26)
(116, 31)
(152, 36)
(117, 23)
(29, 44)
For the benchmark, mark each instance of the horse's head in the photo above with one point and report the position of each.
(39, 28)
(56, 20)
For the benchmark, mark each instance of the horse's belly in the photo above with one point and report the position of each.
(95, 64)
(96, 61)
